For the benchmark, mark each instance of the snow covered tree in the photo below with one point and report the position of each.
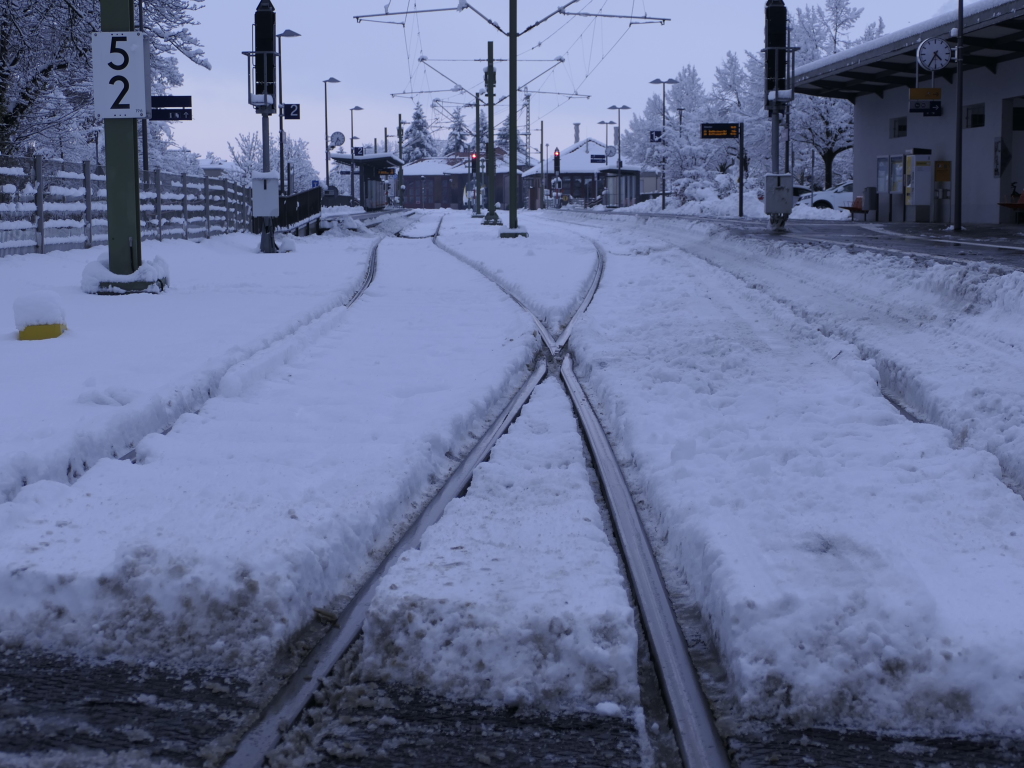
(418, 142)
(459, 135)
(46, 70)
(501, 136)
(247, 155)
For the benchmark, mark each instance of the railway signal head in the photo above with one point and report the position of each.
(475, 162)
(558, 162)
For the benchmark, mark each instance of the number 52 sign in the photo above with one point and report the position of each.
(120, 74)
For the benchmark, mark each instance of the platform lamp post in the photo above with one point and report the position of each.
(352, 151)
(664, 105)
(618, 148)
(280, 99)
(327, 137)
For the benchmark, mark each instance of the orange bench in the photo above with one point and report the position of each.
(857, 207)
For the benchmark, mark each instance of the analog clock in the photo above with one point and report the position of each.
(933, 54)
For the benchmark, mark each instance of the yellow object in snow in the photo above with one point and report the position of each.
(38, 332)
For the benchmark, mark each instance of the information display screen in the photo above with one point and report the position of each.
(719, 130)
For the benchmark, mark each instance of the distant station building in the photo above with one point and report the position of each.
(588, 174)
(375, 177)
(904, 143)
(446, 182)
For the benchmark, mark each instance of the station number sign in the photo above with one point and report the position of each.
(120, 74)
(719, 130)
(292, 111)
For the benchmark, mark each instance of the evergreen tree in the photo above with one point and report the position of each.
(458, 136)
(418, 142)
(502, 138)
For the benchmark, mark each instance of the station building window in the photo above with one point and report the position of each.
(897, 127)
(974, 116)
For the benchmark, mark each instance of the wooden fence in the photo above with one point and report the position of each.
(48, 205)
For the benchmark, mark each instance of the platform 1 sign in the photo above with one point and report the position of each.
(719, 130)
(171, 108)
(927, 101)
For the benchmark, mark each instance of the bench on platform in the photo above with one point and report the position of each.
(857, 207)
(1017, 208)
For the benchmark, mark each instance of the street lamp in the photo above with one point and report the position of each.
(352, 152)
(327, 137)
(280, 99)
(663, 83)
(618, 148)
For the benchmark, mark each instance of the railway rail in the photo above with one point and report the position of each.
(690, 716)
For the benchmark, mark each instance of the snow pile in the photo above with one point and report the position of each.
(38, 308)
(549, 271)
(515, 596)
(154, 270)
(707, 204)
(217, 545)
(854, 567)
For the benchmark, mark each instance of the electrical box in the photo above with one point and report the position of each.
(265, 198)
(778, 193)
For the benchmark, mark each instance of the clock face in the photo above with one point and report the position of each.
(933, 54)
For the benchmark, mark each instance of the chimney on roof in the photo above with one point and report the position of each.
(576, 129)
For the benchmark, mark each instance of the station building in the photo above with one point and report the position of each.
(905, 150)
(589, 173)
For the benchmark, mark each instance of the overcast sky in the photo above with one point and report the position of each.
(606, 59)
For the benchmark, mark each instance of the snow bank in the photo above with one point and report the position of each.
(549, 271)
(38, 308)
(711, 206)
(515, 595)
(855, 568)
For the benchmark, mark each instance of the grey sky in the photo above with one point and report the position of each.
(374, 60)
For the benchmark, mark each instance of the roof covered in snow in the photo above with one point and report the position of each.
(576, 158)
(992, 29)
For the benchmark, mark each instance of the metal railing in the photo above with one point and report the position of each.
(48, 205)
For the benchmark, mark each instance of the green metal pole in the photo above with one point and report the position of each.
(490, 80)
(479, 176)
(124, 225)
(513, 128)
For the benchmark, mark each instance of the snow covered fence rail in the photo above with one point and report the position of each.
(48, 205)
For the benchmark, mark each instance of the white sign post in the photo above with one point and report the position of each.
(120, 75)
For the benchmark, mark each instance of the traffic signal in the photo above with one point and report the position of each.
(475, 162)
(558, 162)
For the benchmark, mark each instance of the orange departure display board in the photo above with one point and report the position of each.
(719, 130)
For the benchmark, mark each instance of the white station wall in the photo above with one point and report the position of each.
(983, 188)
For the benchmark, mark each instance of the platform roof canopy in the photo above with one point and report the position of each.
(993, 33)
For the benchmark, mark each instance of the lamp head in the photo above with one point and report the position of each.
(332, 80)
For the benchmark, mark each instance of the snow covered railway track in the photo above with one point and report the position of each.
(689, 713)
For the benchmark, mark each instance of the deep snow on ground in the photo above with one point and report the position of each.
(549, 271)
(129, 365)
(855, 568)
(232, 528)
(515, 595)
